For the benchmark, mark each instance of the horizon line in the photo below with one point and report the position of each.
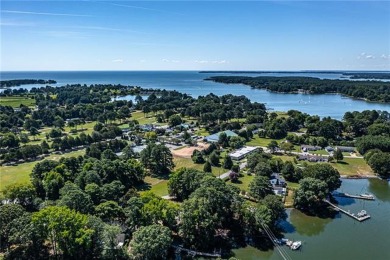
(203, 70)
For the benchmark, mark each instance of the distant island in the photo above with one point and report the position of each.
(19, 82)
(351, 75)
(377, 91)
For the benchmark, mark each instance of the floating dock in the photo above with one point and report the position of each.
(346, 195)
(356, 217)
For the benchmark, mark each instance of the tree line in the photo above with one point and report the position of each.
(369, 90)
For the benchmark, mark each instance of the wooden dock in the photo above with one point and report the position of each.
(346, 195)
(360, 219)
(194, 253)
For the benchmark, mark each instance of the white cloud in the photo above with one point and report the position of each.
(211, 61)
(14, 23)
(384, 56)
(42, 13)
(367, 56)
(117, 60)
(172, 61)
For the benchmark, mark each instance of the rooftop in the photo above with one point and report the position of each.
(215, 137)
(242, 151)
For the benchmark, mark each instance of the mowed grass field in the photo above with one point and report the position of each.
(188, 163)
(140, 117)
(353, 166)
(10, 175)
(259, 141)
(16, 101)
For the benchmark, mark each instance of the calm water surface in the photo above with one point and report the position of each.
(193, 83)
(341, 238)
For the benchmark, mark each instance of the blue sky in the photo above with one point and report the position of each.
(202, 35)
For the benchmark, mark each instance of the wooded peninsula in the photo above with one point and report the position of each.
(377, 91)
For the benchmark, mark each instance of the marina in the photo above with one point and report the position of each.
(360, 216)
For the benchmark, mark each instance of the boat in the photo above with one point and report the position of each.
(296, 245)
(367, 195)
(362, 213)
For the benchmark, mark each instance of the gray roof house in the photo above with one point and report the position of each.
(347, 149)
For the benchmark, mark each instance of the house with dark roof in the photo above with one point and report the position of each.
(347, 149)
(312, 158)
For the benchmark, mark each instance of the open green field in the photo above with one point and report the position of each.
(320, 152)
(16, 101)
(140, 117)
(349, 166)
(21, 173)
(188, 163)
(86, 128)
(156, 185)
(259, 141)
(353, 166)
(243, 182)
(202, 132)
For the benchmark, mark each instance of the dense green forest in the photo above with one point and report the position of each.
(369, 90)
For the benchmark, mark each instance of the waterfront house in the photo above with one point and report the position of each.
(280, 191)
(277, 179)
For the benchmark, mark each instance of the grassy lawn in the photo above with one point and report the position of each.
(353, 166)
(188, 163)
(259, 141)
(202, 132)
(321, 152)
(243, 182)
(292, 185)
(285, 157)
(156, 185)
(140, 117)
(349, 166)
(281, 114)
(87, 128)
(21, 173)
(16, 101)
(289, 199)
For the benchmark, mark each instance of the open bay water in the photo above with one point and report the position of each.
(341, 237)
(193, 83)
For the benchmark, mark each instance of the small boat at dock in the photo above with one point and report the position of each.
(296, 245)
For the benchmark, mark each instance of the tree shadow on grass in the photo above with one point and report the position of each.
(144, 187)
(341, 162)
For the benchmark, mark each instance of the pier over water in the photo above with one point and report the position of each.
(358, 217)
